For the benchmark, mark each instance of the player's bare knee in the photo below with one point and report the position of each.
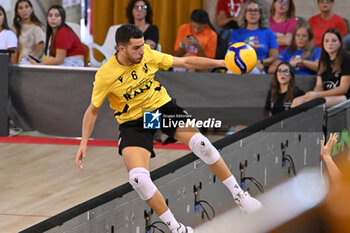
(202, 147)
(140, 180)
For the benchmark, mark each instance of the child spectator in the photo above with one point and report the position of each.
(227, 12)
(140, 13)
(8, 39)
(333, 78)
(282, 90)
(62, 45)
(301, 54)
(254, 30)
(325, 20)
(283, 22)
(197, 38)
(29, 31)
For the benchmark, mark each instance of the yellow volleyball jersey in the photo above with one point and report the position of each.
(132, 89)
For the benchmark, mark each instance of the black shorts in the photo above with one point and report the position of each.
(132, 133)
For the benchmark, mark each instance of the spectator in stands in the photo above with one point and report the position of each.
(197, 38)
(29, 31)
(282, 90)
(226, 17)
(301, 54)
(140, 13)
(325, 20)
(254, 30)
(63, 46)
(283, 21)
(333, 78)
(8, 39)
(227, 12)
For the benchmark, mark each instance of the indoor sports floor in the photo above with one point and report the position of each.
(41, 180)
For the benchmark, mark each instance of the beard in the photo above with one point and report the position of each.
(133, 60)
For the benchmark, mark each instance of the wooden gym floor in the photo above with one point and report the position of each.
(40, 181)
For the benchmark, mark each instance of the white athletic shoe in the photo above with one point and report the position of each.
(247, 203)
(182, 229)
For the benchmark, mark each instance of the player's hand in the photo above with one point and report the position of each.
(326, 150)
(81, 153)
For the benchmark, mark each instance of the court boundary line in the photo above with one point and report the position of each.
(26, 215)
(76, 141)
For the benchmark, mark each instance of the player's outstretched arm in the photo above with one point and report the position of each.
(326, 151)
(197, 62)
(88, 126)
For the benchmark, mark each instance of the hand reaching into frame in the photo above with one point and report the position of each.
(326, 150)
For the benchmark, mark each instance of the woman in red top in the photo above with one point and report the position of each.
(62, 44)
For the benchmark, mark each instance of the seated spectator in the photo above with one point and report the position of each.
(63, 46)
(197, 38)
(333, 78)
(227, 12)
(301, 54)
(255, 31)
(283, 22)
(327, 19)
(139, 12)
(29, 31)
(282, 90)
(8, 39)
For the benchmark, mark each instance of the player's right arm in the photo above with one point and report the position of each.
(192, 62)
(87, 128)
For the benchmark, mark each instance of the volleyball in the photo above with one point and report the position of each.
(241, 58)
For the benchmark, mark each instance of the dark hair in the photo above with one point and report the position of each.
(202, 17)
(17, 23)
(125, 32)
(130, 7)
(275, 85)
(310, 46)
(325, 59)
(290, 13)
(49, 30)
(4, 24)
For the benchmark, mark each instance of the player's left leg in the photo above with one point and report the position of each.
(136, 160)
(203, 148)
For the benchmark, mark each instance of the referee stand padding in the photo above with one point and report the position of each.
(259, 152)
(52, 100)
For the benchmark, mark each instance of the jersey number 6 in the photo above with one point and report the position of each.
(134, 75)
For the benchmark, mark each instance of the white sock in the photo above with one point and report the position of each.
(232, 185)
(168, 218)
